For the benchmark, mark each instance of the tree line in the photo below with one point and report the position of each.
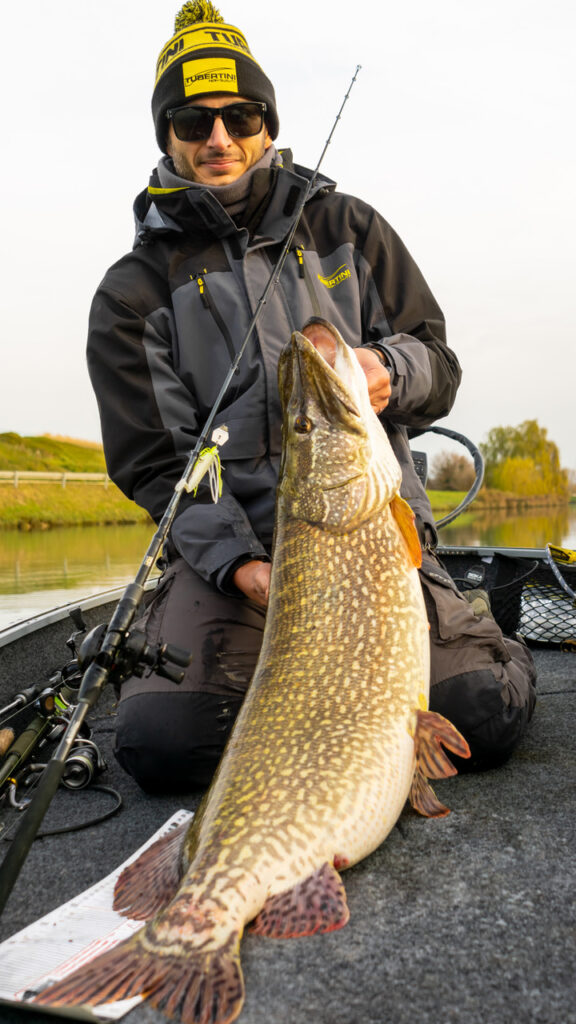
(520, 460)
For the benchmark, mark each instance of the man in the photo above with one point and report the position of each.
(165, 324)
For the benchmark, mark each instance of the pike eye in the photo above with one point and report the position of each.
(302, 425)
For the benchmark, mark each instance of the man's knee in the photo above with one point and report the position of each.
(173, 742)
(482, 681)
(223, 635)
(490, 707)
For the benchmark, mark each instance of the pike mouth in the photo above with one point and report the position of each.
(308, 373)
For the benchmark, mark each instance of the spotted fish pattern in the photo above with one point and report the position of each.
(334, 733)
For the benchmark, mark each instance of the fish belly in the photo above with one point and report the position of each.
(322, 755)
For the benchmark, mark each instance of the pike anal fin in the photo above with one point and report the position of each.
(151, 881)
(433, 732)
(317, 904)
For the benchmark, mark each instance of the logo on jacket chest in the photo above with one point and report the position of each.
(341, 274)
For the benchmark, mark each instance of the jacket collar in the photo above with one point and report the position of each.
(275, 194)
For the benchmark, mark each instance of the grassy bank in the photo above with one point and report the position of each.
(43, 505)
(53, 454)
(445, 501)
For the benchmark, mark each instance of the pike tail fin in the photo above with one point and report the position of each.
(433, 731)
(190, 986)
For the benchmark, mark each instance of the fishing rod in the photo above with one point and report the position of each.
(119, 654)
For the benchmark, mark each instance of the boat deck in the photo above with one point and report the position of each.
(471, 918)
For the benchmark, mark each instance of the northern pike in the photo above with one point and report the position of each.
(334, 733)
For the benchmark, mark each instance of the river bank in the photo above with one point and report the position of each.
(38, 505)
(42, 506)
(35, 505)
(46, 506)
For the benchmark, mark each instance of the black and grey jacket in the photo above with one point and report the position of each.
(169, 316)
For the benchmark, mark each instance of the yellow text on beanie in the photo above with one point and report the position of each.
(205, 56)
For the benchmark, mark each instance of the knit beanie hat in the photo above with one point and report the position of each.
(205, 55)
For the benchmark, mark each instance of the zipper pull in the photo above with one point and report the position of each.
(300, 258)
(203, 292)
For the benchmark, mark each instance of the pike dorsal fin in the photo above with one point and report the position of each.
(404, 517)
(317, 904)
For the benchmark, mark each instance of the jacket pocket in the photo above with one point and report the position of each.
(246, 439)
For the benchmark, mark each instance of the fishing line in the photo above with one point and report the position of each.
(99, 819)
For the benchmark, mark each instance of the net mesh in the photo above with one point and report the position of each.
(525, 595)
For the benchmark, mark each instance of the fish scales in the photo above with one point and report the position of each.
(330, 736)
(309, 721)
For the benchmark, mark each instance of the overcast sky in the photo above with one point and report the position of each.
(459, 130)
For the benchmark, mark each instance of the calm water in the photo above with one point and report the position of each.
(497, 528)
(40, 570)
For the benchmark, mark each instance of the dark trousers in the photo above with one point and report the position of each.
(170, 737)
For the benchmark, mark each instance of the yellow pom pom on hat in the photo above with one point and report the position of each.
(205, 55)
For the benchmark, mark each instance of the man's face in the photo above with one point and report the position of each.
(220, 159)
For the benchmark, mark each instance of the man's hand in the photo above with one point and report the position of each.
(253, 579)
(378, 377)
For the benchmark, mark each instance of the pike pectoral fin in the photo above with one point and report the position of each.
(150, 882)
(404, 517)
(433, 731)
(317, 904)
(191, 986)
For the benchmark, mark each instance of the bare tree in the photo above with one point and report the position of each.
(451, 472)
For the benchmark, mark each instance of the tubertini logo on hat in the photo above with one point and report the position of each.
(204, 37)
(213, 74)
(340, 275)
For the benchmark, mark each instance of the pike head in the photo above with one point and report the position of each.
(338, 468)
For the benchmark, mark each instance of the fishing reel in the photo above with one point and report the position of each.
(82, 767)
(134, 656)
(41, 714)
(83, 764)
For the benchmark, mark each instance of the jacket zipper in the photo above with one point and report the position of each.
(303, 273)
(209, 304)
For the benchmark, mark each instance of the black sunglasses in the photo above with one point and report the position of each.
(241, 120)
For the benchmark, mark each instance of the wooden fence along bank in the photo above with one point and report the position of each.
(15, 477)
